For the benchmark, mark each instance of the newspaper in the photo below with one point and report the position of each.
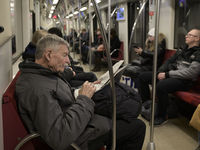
(105, 78)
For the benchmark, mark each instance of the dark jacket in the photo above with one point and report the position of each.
(147, 55)
(115, 44)
(29, 51)
(184, 64)
(47, 106)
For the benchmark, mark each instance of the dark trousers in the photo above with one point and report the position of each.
(163, 88)
(129, 136)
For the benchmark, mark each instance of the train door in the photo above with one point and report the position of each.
(142, 27)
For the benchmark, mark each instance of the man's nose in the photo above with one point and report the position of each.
(67, 60)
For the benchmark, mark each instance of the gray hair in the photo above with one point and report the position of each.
(50, 41)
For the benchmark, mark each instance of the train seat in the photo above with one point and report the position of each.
(16, 135)
(193, 95)
(120, 53)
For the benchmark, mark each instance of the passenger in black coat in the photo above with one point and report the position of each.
(145, 60)
(114, 44)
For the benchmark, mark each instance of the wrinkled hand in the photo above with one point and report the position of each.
(138, 50)
(87, 89)
(161, 76)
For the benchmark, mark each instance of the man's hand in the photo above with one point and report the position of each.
(87, 89)
(161, 76)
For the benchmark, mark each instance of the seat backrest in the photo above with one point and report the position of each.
(120, 53)
(13, 128)
(168, 54)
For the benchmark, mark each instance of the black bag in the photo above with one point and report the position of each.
(172, 110)
(128, 102)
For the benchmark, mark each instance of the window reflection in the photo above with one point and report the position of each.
(186, 18)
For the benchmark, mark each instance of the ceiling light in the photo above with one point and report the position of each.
(55, 2)
(53, 7)
(12, 5)
(76, 12)
(70, 15)
(50, 15)
(67, 17)
(51, 11)
(84, 8)
(98, 1)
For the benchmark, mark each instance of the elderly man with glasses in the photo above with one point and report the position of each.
(178, 73)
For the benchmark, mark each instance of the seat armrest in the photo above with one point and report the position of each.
(26, 139)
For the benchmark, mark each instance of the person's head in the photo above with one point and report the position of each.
(55, 31)
(193, 38)
(38, 35)
(151, 34)
(52, 53)
(83, 30)
(112, 33)
(98, 31)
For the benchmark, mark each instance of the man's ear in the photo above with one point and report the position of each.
(48, 54)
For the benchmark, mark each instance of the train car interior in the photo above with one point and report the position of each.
(80, 22)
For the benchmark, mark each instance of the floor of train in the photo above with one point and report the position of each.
(175, 135)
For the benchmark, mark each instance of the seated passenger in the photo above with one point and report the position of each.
(84, 39)
(85, 48)
(145, 61)
(114, 44)
(178, 73)
(31, 48)
(47, 105)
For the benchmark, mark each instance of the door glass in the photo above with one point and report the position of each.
(186, 18)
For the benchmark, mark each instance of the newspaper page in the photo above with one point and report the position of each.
(105, 78)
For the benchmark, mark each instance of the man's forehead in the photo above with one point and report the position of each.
(193, 32)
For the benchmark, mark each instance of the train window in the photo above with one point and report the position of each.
(186, 18)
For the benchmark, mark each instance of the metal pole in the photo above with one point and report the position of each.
(79, 24)
(151, 145)
(112, 82)
(133, 29)
(73, 27)
(89, 30)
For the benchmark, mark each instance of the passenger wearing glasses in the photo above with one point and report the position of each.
(178, 73)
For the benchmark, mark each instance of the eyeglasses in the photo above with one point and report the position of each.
(189, 35)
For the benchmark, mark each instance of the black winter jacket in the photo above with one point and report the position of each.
(184, 64)
(147, 55)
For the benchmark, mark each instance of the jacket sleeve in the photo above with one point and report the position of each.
(190, 73)
(161, 51)
(172, 59)
(57, 127)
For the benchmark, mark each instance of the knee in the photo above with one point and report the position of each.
(160, 87)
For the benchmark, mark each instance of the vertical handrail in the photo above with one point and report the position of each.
(112, 82)
(73, 28)
(61, 23)
(89, 30)
(79, 25)
(151, 145)
(133, 29)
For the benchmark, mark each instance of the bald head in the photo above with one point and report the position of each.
(197, 32)
(193, 38)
